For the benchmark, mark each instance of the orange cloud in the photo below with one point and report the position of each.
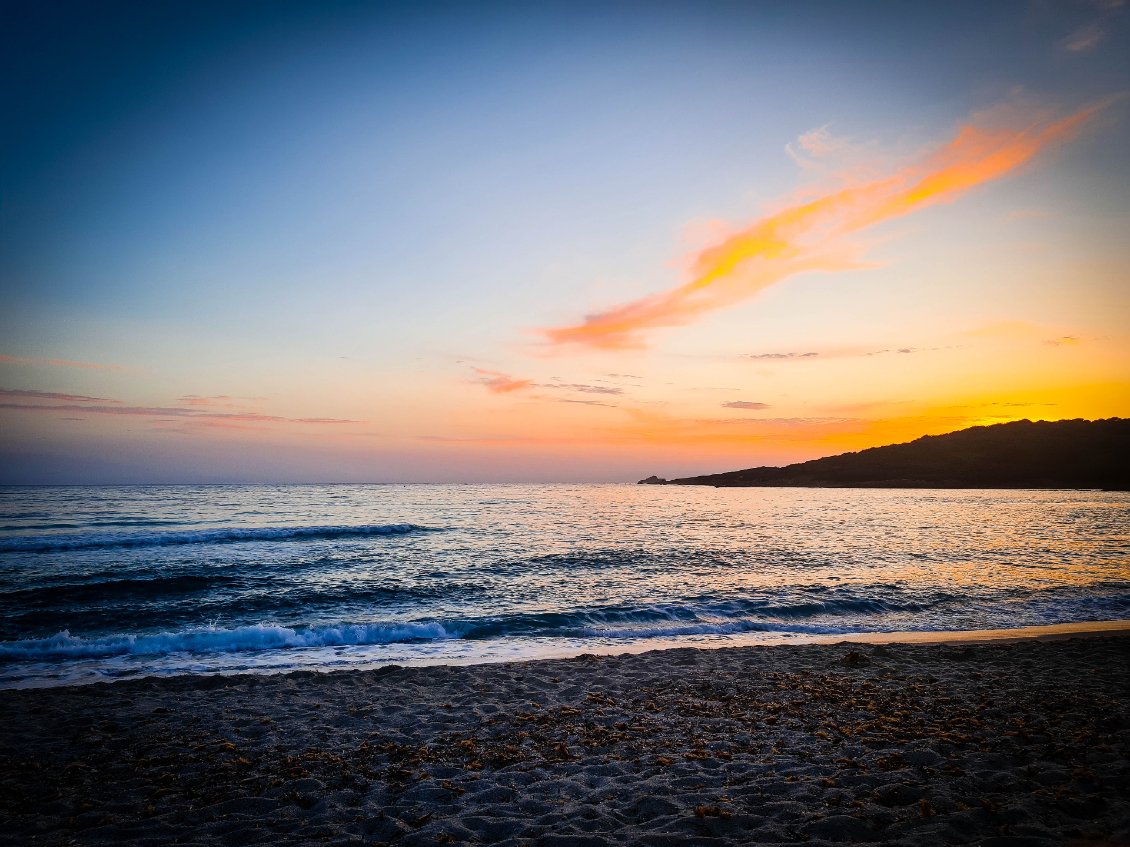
(501, 383)
(814, 235)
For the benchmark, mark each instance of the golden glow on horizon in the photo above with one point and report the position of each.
(815, 385)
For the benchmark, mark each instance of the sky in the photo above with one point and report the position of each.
(428, 242)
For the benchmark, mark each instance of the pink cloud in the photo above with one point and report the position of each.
(500, 383)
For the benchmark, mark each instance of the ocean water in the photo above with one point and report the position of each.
(103, 583)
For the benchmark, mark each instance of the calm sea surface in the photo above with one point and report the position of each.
(115, 582)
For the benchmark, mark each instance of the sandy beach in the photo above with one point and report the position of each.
(999, 742)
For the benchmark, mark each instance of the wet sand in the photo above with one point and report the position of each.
(1003, 742)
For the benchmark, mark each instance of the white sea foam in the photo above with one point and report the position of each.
(709, 628)
(63, 645)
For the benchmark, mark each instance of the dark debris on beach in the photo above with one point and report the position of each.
(998, 744)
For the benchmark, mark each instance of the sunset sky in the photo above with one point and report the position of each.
(551, 241)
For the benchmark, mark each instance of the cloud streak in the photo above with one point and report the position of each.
(498, 382)
(582, 387)
(783, 356)
(843, 353)
(1091, 35)
(815, 235)
(221, 401)
(58, 363)
(35, 394)
(168, 412)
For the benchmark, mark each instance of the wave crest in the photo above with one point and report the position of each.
(63, 645)
(90, 541)
(617, 622)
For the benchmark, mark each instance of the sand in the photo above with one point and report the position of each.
(998, 743)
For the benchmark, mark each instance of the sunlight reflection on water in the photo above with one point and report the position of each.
(227, 577)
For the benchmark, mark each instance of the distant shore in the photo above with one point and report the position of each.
(907, 486)
(1066, 454)
(999, 736)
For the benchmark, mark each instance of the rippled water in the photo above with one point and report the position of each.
(112, 582)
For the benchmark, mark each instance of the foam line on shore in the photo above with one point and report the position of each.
(1023, 633)
(1051, 632)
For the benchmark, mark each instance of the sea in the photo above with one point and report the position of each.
(109, 583)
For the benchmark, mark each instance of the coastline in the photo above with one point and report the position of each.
(1022, 633)
(1045, 632)
(734, 641)
(1011, 737)
(470, 653)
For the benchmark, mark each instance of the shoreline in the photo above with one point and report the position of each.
(1082, 629)
(1022, 633)
(503, 654)
(1019, 740)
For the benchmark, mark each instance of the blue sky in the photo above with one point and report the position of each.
(346, 208)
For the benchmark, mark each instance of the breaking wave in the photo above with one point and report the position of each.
(63, 645)
(611, 622)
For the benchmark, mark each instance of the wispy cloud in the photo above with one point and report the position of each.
(901, 350)
(217, 401)
(498, 382)
(815, 145)
(168, 412)
(584, 388)
(1085, 39)
(1093, 33)
(842, 353)
(213, 411)
(1064, 341)
(58, 363)
(744, 404)
(501, 383)
(815, 235)
(586, 402)
(35, 394)
(783, 356)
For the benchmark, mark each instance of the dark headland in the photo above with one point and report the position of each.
(1021, 454)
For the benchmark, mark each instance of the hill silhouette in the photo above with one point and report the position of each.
(1021, 454)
